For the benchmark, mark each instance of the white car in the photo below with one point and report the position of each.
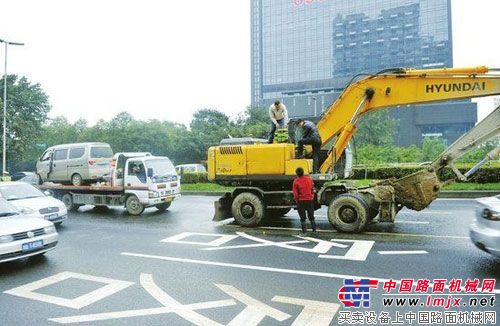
(23, 236)
(485, 230)
(23, 195)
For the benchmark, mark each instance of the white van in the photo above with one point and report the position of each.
(75, 163)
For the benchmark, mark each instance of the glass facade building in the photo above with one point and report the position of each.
(304, 52)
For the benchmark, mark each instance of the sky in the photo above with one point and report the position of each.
(166, 59)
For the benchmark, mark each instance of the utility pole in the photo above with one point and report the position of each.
(4, 148)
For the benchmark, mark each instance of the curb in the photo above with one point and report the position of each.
(468, 194)
(203, 193)
(443, 194)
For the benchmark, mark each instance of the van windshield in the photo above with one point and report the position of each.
(101, 152)
(162, 169)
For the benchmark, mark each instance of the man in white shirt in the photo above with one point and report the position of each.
(279, 118)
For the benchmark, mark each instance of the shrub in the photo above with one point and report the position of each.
(486, 174)
(194, 177)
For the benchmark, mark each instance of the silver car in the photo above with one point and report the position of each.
(22, 235)
(23, 195)
(485, 230)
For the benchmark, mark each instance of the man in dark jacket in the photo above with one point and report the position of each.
(310, 136)
(303, 194)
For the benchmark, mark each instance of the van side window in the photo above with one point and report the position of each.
(76, 152)
(60, 154)
(45, 156)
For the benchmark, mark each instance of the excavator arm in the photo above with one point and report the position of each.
(398, 87)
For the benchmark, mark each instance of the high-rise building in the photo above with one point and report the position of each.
(304, 52)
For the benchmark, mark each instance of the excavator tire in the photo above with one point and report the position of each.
(248, 209)
(348, 213)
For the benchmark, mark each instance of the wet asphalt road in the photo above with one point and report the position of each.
(221, 266)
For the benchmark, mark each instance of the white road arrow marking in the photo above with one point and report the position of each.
(255, 245)
(255, 310)
(322, 246)
(358, 252)
(170, 306)
(317, 313)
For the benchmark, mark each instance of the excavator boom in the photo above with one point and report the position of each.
(399, 87)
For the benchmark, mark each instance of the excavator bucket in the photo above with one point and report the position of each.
(223, 208)
(416, 191)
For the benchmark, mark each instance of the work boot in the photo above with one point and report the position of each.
(304, 228)
(313, 225)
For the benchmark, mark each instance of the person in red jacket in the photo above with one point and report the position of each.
(303, 194)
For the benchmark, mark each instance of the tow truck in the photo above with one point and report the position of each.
(263, 173)
(136, 182)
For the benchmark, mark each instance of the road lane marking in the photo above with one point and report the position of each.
(317, 313)
(263, 268)
(374, 233)
(220, 239)
(254, 312)
(358, 252)
(403, 252)
(412, 222)
(28, 290)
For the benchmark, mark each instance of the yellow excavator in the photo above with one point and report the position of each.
(263, 173)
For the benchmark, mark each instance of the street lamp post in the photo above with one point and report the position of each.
(4, 139)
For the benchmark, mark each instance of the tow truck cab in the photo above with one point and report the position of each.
(152, 179)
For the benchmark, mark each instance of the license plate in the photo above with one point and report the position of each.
(168, 199)
(51, 217)
(32, 245)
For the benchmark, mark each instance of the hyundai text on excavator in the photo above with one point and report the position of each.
(263, 173)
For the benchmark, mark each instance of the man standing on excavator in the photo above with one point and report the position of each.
(279, 118)
(310, 136)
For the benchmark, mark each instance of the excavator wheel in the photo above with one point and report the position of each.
(348, 213)
(277, 212)
(248, 209)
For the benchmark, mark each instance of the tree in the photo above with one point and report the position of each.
(253, 122)
(209, 127)
(376, 128)
(432, 147)
(27, 109)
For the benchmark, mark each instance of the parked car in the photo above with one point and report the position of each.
(29, 177)
(485, 230)
(23, 195)
(23, 236)
(189, 168)
(75, 163)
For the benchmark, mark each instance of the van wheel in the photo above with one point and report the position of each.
(248, 209)
(348, 213)
(67, 199)
(134, 206)
(163, 207)
(76, 179)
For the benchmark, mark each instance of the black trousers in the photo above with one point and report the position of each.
(304, 207)
(316, 147)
